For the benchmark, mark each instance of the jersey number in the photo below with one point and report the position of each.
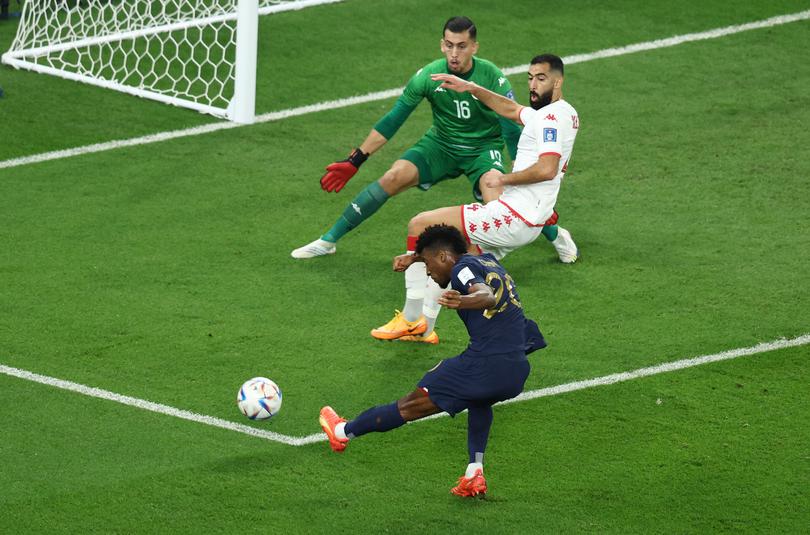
(510, 285)
(462, 109)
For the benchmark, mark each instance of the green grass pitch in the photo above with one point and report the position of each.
(163, 272)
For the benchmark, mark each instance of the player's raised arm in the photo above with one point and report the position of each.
(503, 106)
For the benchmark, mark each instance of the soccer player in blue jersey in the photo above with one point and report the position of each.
(492, 368)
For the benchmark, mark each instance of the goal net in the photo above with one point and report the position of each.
(199, 54)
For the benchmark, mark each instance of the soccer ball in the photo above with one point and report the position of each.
(259, 398)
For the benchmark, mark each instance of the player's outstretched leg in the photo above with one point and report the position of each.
(361, 208)
(377, 419)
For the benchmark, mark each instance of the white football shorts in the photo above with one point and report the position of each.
(496, 228)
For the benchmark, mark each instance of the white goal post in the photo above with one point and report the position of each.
(198, 54)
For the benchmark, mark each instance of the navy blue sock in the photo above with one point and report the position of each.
(380, 419)
(479, 420)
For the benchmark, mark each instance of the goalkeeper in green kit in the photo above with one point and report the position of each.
(466, 138)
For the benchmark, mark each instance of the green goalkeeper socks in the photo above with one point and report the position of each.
(550, 232)
(361, 208)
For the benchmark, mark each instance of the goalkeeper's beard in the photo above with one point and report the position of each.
(537, 100)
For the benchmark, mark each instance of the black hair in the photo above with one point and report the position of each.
(442, 237)
(555, 62)
(459, 25)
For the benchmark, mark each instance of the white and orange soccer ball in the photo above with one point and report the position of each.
(259, 398)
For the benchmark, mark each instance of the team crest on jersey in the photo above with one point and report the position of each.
(549, 134)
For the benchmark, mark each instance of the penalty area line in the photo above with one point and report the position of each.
(319, 437)
(634, 374)
(392, 93)
(151, 406)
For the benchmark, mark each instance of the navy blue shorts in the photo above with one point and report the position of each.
(464, 381)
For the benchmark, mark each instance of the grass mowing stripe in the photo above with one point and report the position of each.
(318, 437)
(391, 93)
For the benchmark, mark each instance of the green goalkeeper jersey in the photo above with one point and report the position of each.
(460, 121)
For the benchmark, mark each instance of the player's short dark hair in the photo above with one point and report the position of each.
(460, 24)
(555, 62)
(441, 237)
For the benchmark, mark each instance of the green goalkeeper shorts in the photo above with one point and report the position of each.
(437, 161)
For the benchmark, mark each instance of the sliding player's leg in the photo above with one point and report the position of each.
(401, 176)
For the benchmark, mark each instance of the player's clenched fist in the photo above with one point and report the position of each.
(338, 173)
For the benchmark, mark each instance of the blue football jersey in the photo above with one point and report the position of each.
(502, 329)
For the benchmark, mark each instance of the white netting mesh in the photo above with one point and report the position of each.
(179, 48)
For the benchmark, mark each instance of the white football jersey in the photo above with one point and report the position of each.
(549, 130)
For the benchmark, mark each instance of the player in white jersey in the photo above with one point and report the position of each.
(530, 191)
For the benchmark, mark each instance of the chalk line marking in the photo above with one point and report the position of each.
(391, 93)
(318, 437)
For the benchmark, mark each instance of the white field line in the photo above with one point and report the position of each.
(318, 437)
(391, 93)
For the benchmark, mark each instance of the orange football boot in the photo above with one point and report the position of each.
(471, 486)
(329, 420)
(432, 338)
(399, 327)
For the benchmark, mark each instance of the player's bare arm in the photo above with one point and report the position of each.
(546, 168)
(501, 105)
(479, 297)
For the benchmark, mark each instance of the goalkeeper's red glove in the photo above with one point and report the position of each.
(338, 173)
